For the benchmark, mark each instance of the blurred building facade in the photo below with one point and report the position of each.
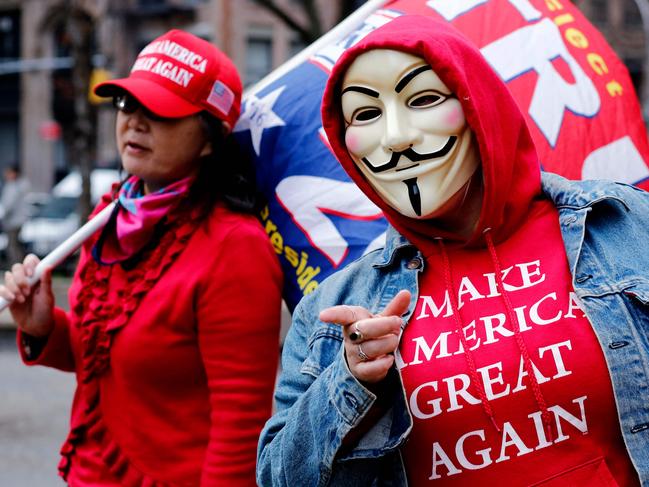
(35, 98)
(35, 86)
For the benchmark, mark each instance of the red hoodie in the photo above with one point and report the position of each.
(504, 376)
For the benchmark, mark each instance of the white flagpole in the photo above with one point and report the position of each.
(352, 22)
(68, 247)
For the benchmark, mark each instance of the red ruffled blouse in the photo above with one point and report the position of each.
(175, 358)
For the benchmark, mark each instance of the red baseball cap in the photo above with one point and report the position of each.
(178, 75)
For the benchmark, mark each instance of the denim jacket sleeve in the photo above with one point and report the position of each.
(319, 401)
(316, 408)
(605, 227)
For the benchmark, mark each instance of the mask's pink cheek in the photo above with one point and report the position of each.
(455, 118)
(352, 142)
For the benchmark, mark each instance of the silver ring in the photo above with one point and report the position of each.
(356, 335)
(362, 355)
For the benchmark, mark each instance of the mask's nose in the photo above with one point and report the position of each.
(399, 133)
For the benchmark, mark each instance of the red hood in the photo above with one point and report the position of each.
(510, 168)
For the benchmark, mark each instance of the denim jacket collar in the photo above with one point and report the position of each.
(394, 242)
(562, 191)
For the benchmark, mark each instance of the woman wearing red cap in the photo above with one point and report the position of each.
(174, 308)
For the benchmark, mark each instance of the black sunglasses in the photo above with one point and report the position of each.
(128, 104)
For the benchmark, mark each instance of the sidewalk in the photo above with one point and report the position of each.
(60, 285)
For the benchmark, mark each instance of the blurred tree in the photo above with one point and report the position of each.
(313, 29)
(75, 29)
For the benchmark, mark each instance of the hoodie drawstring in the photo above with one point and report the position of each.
(529, 367)
(546, 417)
(475, 380)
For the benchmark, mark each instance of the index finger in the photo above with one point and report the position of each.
(344, 314)
(30, 263)
(399, 304)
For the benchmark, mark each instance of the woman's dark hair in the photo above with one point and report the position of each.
(226, 174)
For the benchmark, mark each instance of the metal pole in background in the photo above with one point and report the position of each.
(643, 7)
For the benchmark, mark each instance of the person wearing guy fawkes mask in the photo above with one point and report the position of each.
(499, 330)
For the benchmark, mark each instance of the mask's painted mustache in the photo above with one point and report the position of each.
(410, 154)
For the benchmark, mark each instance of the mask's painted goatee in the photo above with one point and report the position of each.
(414, 195)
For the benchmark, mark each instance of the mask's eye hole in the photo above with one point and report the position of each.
(426, 100)
(365, 115)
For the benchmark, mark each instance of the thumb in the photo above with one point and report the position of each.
(399, 304)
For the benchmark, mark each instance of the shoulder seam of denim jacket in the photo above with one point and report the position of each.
(583, 194)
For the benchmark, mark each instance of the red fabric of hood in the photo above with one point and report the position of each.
(510, 168)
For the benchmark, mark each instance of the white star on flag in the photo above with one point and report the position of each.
(258, 115)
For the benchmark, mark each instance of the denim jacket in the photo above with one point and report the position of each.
(605, 228)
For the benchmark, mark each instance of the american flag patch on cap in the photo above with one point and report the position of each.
(221, 97)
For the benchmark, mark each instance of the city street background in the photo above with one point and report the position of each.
(45, 113)
(33, 419)
(34, 411)
(35, 408)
